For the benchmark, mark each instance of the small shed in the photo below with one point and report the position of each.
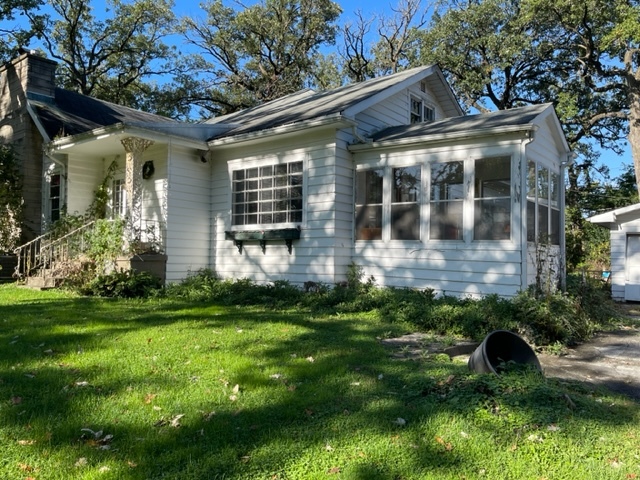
(624, 227)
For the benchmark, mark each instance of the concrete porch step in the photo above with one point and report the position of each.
(43, 282)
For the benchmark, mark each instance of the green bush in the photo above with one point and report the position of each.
(123, 284)
(547, 319)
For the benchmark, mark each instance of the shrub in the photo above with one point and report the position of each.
(123, 284)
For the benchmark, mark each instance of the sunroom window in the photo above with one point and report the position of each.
(268, 195)
(405, 204)
(447, 199)
(543, 204)
(369, 204)
(492, 199)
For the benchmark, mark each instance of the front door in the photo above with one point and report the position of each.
(632, 274)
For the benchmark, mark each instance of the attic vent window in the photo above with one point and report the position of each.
(423, 86)
(420, 112)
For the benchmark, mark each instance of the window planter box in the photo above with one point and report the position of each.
(263, 236)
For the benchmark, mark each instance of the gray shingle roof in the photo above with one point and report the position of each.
(72, 113)
(503, 118)
(308, 105)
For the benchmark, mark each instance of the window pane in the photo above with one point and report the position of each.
(531, 180)
(266, 171)
(447, 181)
(405, 207)
(531, 221)
(405, 222)
(295, 167)
(543, 185)
(252, 173)
(492, 219)
(406, 184)
(369, 222)
(555, 190)
(554, 236)
(369, 204)
(446, 220)
(492, 205)
(543, 223)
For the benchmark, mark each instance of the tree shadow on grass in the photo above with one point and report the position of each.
(314, 396)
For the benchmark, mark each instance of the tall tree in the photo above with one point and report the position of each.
(14, 34)
(259, 53)
(114, 58)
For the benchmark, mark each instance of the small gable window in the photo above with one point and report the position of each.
(420, 111)
(268, 195)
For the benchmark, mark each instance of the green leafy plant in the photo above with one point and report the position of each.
(123, 284)
(10, 201)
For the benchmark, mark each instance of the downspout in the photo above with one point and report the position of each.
(571, 156)
(524, 245)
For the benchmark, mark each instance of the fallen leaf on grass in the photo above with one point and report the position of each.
(175, 421)
(334, 470)
(310, 359)
(447, 445)
(276, 376)
(236, 388)
(16, 400)
(25, 468)
(26, 442)
(131, 464)
(401, 422)
(149, 397)
(104, 469)
(82, 462)
(328, 448)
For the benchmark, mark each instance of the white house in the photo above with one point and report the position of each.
(624, 232)
(387, 173)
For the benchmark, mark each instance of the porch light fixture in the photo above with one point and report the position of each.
(148, 169)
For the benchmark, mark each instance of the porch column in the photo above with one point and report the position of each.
(134, 148)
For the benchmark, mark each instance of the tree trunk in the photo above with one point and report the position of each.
(633, 94)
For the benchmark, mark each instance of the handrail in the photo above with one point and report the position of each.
(44, 251)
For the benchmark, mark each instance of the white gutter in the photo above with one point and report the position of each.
(122, 129)
(442, 137)
(338, 119)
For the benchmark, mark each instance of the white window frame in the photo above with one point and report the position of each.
(424, 112)
(118, 197)
(260, 166)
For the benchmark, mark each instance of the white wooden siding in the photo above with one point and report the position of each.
(83, 177)
(618, 239)
(462, 268)
(395, 110)
(188, 213)
(323, 251)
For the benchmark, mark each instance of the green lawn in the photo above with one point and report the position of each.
(145, 389)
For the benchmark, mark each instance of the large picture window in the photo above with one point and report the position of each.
(268, 195)
(447, 198)
(492, 199)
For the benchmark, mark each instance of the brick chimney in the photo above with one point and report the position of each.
(27, 75)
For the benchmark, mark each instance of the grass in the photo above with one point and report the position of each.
(145, 389)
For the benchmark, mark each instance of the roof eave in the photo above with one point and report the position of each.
(337, 120)
(442, 137)
(122, 129)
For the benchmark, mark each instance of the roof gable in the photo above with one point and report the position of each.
(345, 101)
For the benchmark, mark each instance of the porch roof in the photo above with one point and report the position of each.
(619, 215)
